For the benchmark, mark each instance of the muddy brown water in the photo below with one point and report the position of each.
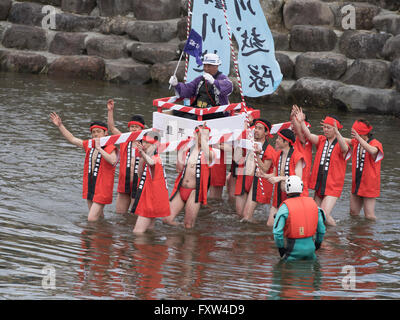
(44, 232)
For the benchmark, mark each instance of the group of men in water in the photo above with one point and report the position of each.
(280, 176)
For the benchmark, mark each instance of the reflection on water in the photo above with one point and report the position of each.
(43, 218)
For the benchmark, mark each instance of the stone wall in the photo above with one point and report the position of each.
(135, 41)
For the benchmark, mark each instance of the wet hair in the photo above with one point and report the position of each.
(289, 134)
(138, 118)
(370, 134)
(99, 123)
(334, 117)
(364, 121)
(201, 126)
(152, 134)
(266, 122)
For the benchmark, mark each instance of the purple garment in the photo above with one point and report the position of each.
(222, 86)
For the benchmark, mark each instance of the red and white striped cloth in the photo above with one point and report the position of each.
(225, 135)
(170, 103)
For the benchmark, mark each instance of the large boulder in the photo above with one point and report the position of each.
(3, 27)
(5, 6)
(182, 29)
(306, 12)
(161, 72)
(25, 37)
(154, 52)
(69, 22)
(127, 71)
(391, 50)
(68, 43)
(78, 6)
(326, 65)
(156, 10)
(153, 31)
(110, 8)
(273, 12)
(315, 92)
(23, 62)
(56, 3)
(393, 5)
(312, 38)
(361, 99)
(107, 47)
(26, 13)
(389, 23)
(364, 14)
(79, 67)
(372, 73)
(115, 25)
(281, 41)
(281, 96)
(395, 71)
(286, 65)
(362, 44)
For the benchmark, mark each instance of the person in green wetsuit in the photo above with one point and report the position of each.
(299, 221)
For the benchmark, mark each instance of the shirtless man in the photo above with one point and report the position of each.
(128, 170)
(251, 190)
(190, 190)
(329, 169)
(98, 175)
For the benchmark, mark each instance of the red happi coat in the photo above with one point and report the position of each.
(151, 198)
(201, 179)
(293, 157)
(98, 184)
(125, 182)
(306, 150)
(218, 172)
(366, 171)
(327, 179)
(244, 183)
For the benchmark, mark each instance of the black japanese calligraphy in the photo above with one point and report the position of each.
(260, 77)
(253, 42)
(240, 5)
(214, 27)
(217, 3)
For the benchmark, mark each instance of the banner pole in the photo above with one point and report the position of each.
(187, 36)
(177, 65)
(235, 63)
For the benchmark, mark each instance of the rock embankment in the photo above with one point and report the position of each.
(343, 54)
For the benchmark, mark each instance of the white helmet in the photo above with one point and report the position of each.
(211, 58)
(294, 185)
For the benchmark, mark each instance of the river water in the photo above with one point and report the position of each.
(49, 251)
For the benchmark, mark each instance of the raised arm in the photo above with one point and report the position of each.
(110, 117)
(55, 118)
(205, 147)
(296, 124)
(313, 138)
(342, 142)
(111, 158)
(373, 151)
(147, 158)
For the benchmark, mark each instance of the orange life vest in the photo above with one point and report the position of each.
(302, 220)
